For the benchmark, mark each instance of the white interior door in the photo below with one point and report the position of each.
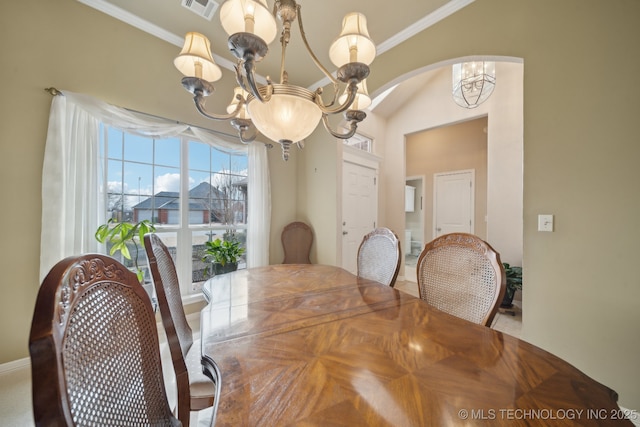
(359, 209)
(453, 202)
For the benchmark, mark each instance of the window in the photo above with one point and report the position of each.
(80, 187)
(191, 191)
(359, 142)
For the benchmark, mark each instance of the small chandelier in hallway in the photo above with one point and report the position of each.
(473, 82)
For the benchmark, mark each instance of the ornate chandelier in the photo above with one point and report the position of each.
(283, 112)
(473, 82)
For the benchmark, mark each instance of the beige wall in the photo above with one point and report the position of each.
(317, 194)
(446, 149)
(284, 199)
(580, 153)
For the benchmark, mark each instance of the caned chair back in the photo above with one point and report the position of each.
(297, 238)
(461, 274)
(379, 256)
(195, 391)
(95, 357)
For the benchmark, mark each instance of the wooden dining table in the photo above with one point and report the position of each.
(314, 345)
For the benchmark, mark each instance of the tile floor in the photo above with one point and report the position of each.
(15, 398)
(15, 384)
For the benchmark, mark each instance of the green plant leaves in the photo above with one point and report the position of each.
(121, 233)
(514, 276)
(144, 227)
(222, 252)
(122, 247)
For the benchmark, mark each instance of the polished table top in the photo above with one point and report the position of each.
(313, 345)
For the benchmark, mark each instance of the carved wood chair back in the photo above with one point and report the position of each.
(94, 348)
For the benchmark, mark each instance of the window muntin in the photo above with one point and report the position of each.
(220, 185)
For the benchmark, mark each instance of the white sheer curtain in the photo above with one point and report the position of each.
(72, 206)
(259, 209)
(71, 202)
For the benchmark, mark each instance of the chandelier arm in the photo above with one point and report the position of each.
(334, 101)
(239, 78)
(248, 139)
(313, 56)
(353, 125)
(200, 101)
(243, 126)
(336, 94)
(352, 91)
(253, 85)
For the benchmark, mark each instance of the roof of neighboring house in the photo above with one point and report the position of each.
(162, 200)
(199, 197)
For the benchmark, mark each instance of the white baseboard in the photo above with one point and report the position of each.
(193, 299)
(15, 365)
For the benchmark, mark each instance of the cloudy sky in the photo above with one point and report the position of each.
(132, 158)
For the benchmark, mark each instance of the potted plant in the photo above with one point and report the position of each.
(223, 255)
(121, 235)
(514, 283)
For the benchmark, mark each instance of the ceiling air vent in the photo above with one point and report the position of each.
(204, 8)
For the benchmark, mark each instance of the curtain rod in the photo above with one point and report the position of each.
(55, 92)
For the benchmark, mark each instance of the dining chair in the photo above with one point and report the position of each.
(379, 256)
(94, 348)
(461, 274)
(297, 238)
(195, 391)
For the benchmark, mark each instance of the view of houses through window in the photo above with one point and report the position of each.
(190, 191)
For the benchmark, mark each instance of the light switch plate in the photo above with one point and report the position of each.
(545, 223)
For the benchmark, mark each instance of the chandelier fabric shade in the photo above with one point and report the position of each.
(473, 82)
(248, 16)
(362, 101)
(354, 43)
(243, 113)
(283, 112)
(195, 59)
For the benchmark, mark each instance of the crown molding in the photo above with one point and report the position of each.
(434, 17)
(146, 26)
